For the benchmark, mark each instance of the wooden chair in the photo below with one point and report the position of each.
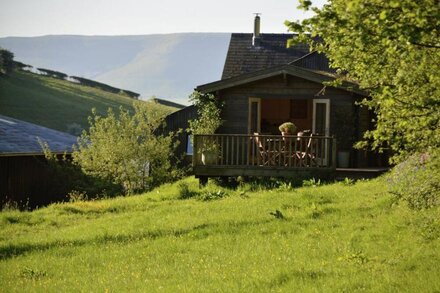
(307, 156)
(268, 157)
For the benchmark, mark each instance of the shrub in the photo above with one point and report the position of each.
(75, 196)
(126, 149)
(73, 182)
(417, 180)
(311, 182)
(208, 111)
(184, 191)
(348, 181)
(212, 195)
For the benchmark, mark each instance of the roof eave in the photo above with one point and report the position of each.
(270, 72)
(27, 154)
(239, 80)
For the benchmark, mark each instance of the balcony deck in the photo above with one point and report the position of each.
(263, 155)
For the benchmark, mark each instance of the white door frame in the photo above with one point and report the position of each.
(327, 115)
(324, 161)
(258, 101)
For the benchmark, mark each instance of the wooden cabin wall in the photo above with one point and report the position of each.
(28, 180)
(236, 99)
(235, 112)
(177, 122)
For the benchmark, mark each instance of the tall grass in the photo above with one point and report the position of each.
(339, 237)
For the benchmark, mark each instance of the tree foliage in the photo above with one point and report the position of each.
(208, 111)
(392, 49)
(6, 61)
(126, 148)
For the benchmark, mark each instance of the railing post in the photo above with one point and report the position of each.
(334, 152)
(194, 150)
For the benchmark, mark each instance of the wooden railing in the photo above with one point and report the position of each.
(265, 151)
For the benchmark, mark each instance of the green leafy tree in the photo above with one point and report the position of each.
(126, 148)
(6, 61)
(391, 48)
(208, 120)
(208, 111)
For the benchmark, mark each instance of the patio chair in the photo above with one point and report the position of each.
(267, 156)
(307, 156)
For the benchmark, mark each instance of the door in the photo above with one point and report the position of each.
(254, 122)
(321, 126)
(321, 117)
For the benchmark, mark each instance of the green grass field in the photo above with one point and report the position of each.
(327, 238)
(54, 103)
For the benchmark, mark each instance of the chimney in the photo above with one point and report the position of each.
(256, 40)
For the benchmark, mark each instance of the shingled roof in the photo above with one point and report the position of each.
(272, 51)
(22, 138)
(314, 61)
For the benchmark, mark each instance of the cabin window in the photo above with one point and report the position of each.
(189, 145)
(298, 109)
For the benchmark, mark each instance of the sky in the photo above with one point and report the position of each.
(138, 17)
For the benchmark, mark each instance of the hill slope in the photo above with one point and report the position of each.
(326, 239)
(54, 103)
(167, 66)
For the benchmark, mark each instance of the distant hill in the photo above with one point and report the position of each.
(166, 66)
(56, 103)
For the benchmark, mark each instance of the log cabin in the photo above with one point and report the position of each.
(264, 84)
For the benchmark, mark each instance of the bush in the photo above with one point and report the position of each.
(184, 191)
(417, 180)
(311, 182)
(75, 184)
(212, 195)
(208, 111)
(126, 149)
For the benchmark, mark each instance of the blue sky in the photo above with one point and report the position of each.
(134, 17)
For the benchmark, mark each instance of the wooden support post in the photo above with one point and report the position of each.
(203, 180)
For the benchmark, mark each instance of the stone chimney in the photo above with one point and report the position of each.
(256, 40)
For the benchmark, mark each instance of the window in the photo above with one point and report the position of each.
(298, 109)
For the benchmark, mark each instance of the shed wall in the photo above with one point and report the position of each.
(28, 180)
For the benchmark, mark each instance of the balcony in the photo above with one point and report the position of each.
(262, 155)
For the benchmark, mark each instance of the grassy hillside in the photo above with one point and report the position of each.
(323, 239)
(54, 103)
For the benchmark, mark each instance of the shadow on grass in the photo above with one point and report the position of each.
(305, 275)
(196, 232)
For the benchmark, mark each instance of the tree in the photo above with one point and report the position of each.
(6, 61)
(207, 122)
(392, 49)
(126, 148)
(208, 112)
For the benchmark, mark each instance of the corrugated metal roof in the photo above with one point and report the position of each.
(19, 137)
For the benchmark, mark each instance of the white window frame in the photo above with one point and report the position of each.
(253, 100)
